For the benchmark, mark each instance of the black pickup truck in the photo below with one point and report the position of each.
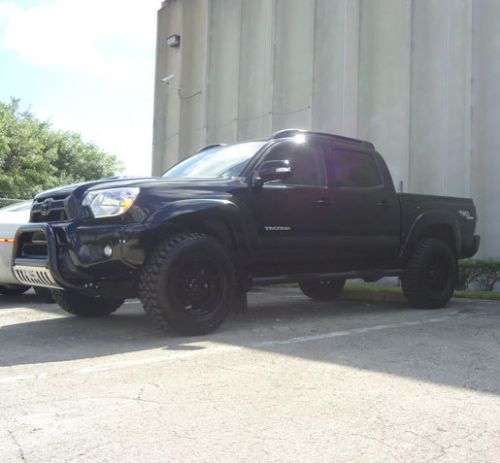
(301, 206)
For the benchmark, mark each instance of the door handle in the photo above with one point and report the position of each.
(384, 203)
(323, 202)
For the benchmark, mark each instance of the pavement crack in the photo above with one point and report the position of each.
(139, 394)
(18, 445)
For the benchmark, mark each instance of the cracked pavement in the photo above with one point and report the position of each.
(290, 380)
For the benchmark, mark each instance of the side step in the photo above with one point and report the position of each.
(367, 275)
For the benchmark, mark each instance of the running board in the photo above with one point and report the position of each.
(368, 275)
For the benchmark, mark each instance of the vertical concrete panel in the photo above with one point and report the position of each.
(440, 97)
(159, 110)
(486, 123)
(293, 64)
(223, 70)
(460, 102)
(384, 81)
(256, 69)
(429, 112)
(192, 91)
(166, 121)
(335, 83)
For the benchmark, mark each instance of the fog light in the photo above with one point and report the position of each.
(108, 250)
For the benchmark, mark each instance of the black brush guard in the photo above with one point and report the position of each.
(40, 270)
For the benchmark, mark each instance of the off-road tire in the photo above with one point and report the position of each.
(322, 290)
(13, 290)
(430, 275)
(163, 291)
(85, 306)
(43, 294)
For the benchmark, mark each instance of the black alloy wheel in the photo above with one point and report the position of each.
(188, 284)
(430, 275)
(199, 286)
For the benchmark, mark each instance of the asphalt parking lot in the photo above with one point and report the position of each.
(290, 380)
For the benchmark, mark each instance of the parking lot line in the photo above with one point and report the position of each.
(210, 349)
(231, 348)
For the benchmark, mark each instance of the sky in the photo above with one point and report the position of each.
(86, 66)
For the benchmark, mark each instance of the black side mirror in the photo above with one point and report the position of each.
(274, 170)
(271, 170)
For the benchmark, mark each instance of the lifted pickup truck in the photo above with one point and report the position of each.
(300, 206)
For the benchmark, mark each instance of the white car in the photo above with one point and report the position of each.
(11, 218)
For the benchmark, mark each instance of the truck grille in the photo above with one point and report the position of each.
(49, 209)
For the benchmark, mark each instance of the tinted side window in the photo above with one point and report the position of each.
(351, 169)
(305, 160)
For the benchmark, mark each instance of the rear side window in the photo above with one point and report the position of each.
(353, 169)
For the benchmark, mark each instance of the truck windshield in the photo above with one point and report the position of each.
(217, 162)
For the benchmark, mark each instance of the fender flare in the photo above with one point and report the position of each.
(425, 221)
(202, 213)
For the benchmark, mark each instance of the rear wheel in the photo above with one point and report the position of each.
(188, 284)
(429, 278)
(322, 290)
(85, 306)
(13, 290)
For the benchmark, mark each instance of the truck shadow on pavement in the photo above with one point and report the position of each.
(458, 346)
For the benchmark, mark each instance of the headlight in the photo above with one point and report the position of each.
(110, 203)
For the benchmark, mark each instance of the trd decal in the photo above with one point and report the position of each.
(466, 215)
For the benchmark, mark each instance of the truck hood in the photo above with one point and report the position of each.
(160, 183)
(82, 187)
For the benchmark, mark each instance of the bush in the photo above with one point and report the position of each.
(483, 273)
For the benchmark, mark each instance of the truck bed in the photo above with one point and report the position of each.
(460, 211)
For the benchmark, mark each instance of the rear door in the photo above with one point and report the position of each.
(362, 214)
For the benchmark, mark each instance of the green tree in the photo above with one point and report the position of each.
(35, 157)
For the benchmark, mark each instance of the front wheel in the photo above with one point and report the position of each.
(429, 277)
(85, 306)
(188, 284)
(322, 290)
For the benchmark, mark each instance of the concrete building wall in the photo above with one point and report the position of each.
(419, 78)
(255, 98)
(485, 152)
(384, 81)
(335, 72)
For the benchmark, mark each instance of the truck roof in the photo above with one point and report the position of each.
(292, 132)
(288, 133)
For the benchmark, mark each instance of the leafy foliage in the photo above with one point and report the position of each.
(34, 157)
(485, 273)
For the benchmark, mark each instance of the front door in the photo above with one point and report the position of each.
(288, 213)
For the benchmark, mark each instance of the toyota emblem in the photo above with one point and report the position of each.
(45, 207)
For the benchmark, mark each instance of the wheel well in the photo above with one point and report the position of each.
(441, 232)
(220, 231)
(217, 229)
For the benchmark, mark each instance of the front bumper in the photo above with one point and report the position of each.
(68, 256)
(38, 271)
